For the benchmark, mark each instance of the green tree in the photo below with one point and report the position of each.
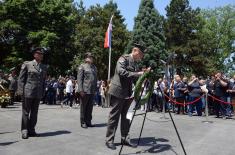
(148, 30)
(182, 37)
(218, 36)
(47, 23)
(90, 33)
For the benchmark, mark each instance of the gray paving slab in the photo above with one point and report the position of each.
(61, 134)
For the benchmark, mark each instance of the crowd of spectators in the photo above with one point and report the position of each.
(64, 91)
(181, 95)
(188, 96)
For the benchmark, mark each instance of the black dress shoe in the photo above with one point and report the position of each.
(110, 146)
(34, 134)
(25, 135)
(127, 142)
(84, 126)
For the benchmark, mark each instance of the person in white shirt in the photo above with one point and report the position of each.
(69, 92)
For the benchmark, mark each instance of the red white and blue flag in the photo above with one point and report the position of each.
(108, 35)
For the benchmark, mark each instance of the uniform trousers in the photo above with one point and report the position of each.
(86, 108)
(119, 107)
(29, 114)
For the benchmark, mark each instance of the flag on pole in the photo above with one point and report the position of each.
(108, 35)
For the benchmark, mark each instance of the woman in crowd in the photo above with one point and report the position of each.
(61, 87)
(103, 91)
(194, 93)
(179, 89)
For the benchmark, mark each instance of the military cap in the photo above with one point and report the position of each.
(140, 47)
(88, 55)
(38, 50)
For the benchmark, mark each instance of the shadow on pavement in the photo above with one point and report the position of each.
(6, 132)
(159, 148)
(11, 107)
(7, 143)
(101, 125)
(154, 147)
(148, 141)
(54, 133)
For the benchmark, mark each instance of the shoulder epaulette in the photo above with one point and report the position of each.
(126, 55)
(81, 66)
(25, 62)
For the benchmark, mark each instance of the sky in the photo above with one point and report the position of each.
(129, 8)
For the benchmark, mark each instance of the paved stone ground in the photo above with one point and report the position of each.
(61, 134)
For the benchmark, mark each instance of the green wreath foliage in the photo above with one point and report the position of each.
(138, 88)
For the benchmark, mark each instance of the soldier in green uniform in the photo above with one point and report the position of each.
(87, 87)
(31, 86)
(121, 90)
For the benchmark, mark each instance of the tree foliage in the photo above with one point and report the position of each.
(46, 23)
(90, 33)
(204, 40)
(218, 36)
(148, 30)
(181, 30)
(201, 39)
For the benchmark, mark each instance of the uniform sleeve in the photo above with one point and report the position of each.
(96, 74)
(22, 79)
(80, 78)
(44, 78)
(122, 69)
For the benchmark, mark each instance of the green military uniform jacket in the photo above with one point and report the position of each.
(123, 79)
(87, 78)
(31, 81)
